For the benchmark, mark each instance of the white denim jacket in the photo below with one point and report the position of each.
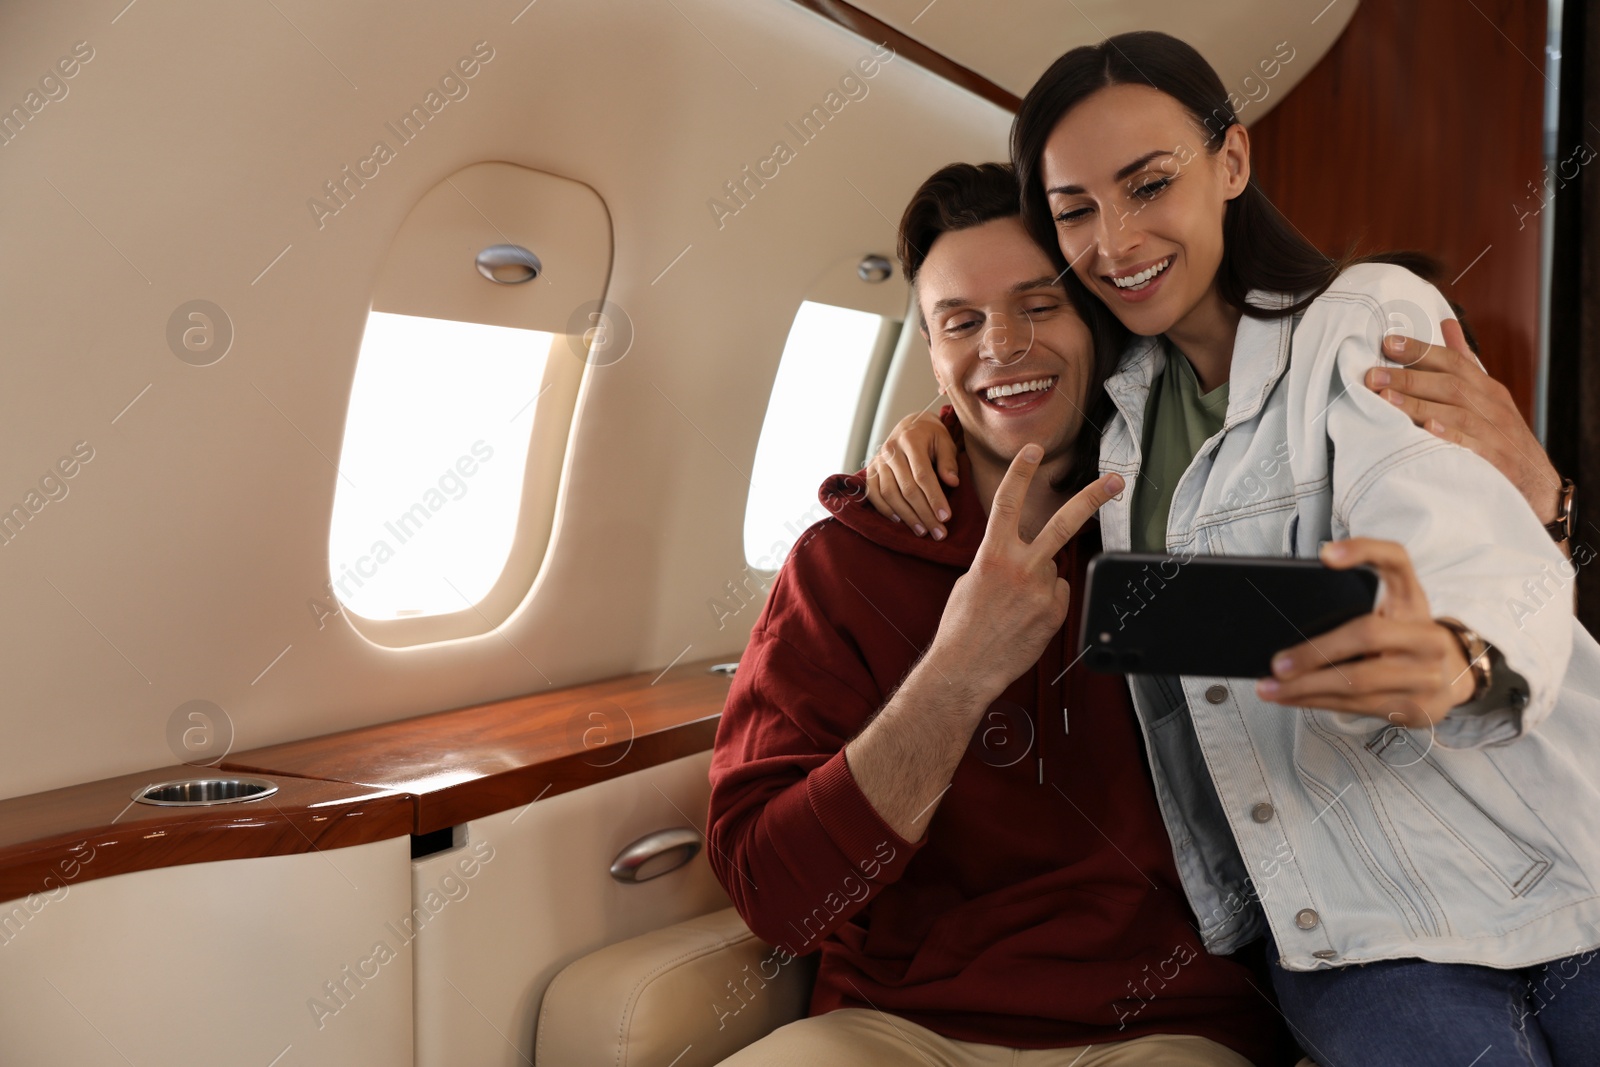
(1356, 840)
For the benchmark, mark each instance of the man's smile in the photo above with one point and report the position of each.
(1018, 394)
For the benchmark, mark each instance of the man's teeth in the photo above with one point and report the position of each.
(1134, 281)
(1020, 387)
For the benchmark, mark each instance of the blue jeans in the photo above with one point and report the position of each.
(1412, 1013)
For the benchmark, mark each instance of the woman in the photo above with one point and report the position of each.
(1406, 808)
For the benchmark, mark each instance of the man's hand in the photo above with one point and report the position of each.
(995, 625)
(1396, 663)
(1008, 606)
(1445, 392)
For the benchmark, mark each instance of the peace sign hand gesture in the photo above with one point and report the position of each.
(1011, 602)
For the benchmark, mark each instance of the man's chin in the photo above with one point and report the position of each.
(1005, 449)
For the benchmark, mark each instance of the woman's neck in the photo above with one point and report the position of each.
(1205, 336)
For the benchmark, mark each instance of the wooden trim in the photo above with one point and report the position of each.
(413, 776)
(879, 32)
(472, 762)
(52, 841)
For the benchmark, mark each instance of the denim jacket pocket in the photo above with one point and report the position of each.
(1353, 823)
(1516, 864)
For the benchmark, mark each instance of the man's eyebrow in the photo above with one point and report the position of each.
(1043, 281)
(949, 302)
(1131, 168)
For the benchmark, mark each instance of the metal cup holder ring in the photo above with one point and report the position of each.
(204, 792)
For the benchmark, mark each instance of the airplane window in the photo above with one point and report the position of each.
(813, 418)
(432, 469)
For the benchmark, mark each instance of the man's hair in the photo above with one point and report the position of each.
(962, 195)
(957, 197)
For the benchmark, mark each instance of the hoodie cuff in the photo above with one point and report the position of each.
(854, 824)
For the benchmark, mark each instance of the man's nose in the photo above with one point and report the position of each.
(1003, 340)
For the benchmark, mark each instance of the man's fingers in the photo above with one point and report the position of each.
(1464, 425)
(1403, 596)
(1071, 516)
(1435, 386)
(1006, 511)
(1420, 355)
(1456, 338)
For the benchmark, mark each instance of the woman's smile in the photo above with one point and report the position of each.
(1140, 282)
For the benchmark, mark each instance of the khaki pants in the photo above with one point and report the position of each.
(854, 1036)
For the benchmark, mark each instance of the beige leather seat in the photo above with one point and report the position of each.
(688, 995)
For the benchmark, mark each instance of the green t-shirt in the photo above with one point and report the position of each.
(1178, 419)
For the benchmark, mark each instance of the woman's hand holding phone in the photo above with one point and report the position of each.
(1396, 663)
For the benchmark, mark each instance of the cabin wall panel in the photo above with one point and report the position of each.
(216, 963)
(187, 557)
(1421, 129)
(539, 895)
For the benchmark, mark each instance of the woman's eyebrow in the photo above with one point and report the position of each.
(1131, 168)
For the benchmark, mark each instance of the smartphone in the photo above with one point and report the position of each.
(1223, 616)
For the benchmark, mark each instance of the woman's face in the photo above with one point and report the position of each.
(1138, 202)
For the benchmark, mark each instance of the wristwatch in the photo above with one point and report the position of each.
(1560, 529)
(1476, 649)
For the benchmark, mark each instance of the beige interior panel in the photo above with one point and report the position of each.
(909, 386)
(1236, 36)
(430, 268)
(538, 896)
(189, 558)
(216, 963)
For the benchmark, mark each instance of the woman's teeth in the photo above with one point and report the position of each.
(1038, 384)
(1143, 278)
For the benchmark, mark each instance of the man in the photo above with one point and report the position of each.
(914, 776)
(911, 773)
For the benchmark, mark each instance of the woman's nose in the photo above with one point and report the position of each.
(1117, 235)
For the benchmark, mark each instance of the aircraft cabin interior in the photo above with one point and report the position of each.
(387, 511)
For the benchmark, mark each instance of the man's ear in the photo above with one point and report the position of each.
(1234, 158)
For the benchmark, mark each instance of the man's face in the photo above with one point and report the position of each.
(1009, 350)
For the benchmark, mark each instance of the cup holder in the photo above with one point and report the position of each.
(202, 792)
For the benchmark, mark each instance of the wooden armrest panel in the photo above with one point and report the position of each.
(472, 762)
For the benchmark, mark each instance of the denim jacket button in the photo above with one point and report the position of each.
(1217, 694)
(1262, 812)
(1306, 919)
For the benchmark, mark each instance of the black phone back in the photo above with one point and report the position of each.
(1226, 616)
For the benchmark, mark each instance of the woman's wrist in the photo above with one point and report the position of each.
(1478, 670)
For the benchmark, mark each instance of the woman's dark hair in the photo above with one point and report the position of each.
(1261, 249)
(963, 195)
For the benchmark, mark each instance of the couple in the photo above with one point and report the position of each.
(1005, 858)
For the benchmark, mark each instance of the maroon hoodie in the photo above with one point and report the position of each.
(1042, 907)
